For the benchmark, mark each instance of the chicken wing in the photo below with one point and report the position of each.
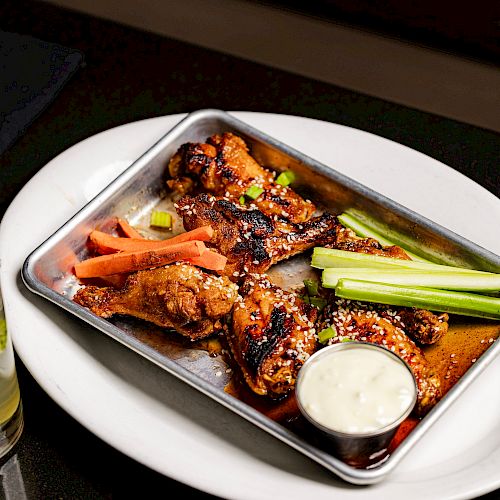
(177, 296)
(251, 240)
(356, 321)
(225, 168)
(271, 335)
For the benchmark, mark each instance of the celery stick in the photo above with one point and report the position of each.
(329, 257)
(360, 229)
(467, 304)
(405, 277)
(396, 237)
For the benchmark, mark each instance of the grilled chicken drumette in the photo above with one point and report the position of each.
(177, 296)
(251, 240)
(357, 321)
(224, 167)
(271, 335)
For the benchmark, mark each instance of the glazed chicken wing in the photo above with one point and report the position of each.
(271, 336)
(177, 296)
(356, 321)
(251, 240)
(224, 167)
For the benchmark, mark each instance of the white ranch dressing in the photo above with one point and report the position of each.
(357, 391)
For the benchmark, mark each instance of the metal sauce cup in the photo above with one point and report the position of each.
(358, 449)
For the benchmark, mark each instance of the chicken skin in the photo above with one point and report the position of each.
(178, 296)
(271, 336)
(224, 167)
(360, 321)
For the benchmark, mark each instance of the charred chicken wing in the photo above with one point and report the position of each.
(271, 336)
(224, 167)
(356, 321)
(177, 296)
(251, 240)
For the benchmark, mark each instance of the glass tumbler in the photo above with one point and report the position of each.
(11, 408)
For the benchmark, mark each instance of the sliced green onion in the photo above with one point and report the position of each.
(312, 287)
(346, 339)
(285, 178)
(160, 219)
(325, 335)
(242, 200)
(405, 277)
(360, 229)
(318, 302)
(467, 304)
(254, 192)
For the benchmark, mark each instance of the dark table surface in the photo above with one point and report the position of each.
(131, 75)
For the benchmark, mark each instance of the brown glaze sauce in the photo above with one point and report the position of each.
(466, 341)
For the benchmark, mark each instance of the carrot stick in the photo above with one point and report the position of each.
(124, 262)
(203, 233)
(209, 260)
(128, 230)
(106, 244)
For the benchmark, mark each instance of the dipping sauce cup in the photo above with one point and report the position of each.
(357, 394)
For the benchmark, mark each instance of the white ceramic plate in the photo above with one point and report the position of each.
(149, 415)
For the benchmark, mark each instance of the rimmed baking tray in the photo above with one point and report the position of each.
(48, 270)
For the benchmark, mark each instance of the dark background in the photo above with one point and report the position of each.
(470, 29)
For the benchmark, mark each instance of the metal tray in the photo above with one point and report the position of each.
(48, 270)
